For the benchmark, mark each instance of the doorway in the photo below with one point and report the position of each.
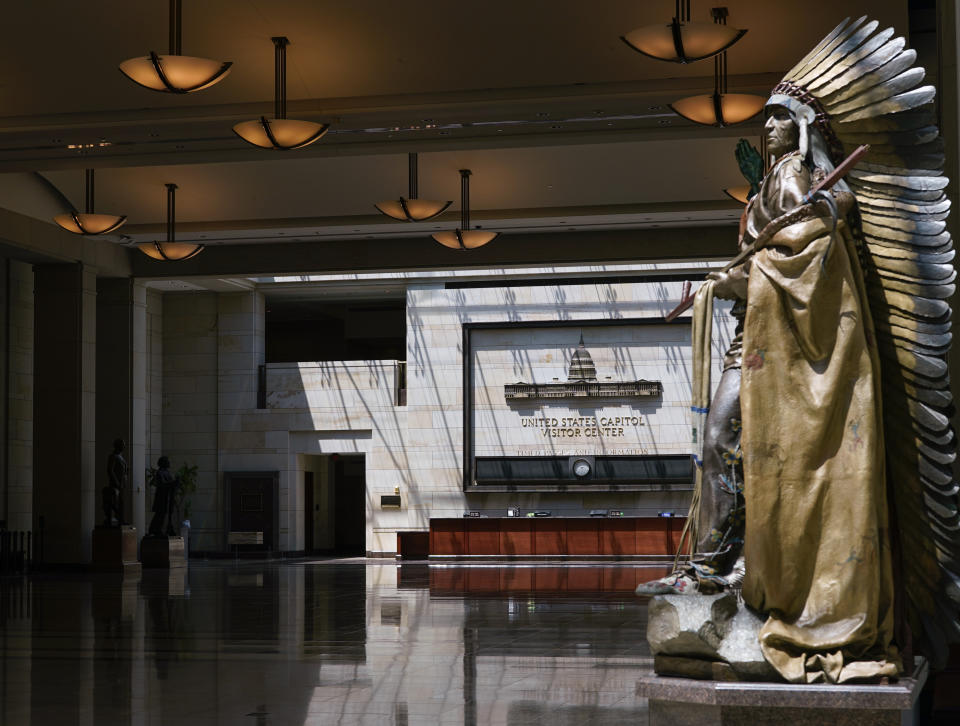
(335, 493)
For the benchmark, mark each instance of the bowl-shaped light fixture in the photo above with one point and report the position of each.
(88, 222)
(412, 209)
(174, 73)
(680, 40)
(464, 238)
(170, 250)
(280, 132)
(738, 194)
(719, 108)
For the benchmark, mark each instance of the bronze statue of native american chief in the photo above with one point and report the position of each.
(825, 483)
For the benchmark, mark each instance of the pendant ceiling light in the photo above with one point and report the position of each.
(412, 209)
(682, 41)
(464, 238)
(280, 132)
(738, 194)
(720, 108)
(170, 250)
(88, 222)
(174, 73)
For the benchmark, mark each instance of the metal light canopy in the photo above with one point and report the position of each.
(174, 73)
(719, 108)
(280, 132)
(464, 238)
(170, 250)
(682, 41)
(89, 223)
(412, 209)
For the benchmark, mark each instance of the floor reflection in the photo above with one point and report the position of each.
(327, 642)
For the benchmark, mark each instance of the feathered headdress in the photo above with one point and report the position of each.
(859, 86)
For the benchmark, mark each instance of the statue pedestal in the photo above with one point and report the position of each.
(167, 552)
(681, 701)
(115, 550)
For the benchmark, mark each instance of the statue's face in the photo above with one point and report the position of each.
(783, 136)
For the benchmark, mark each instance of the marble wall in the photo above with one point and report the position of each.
(212, 345)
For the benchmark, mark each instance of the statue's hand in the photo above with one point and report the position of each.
(730, 285)
(751, 165)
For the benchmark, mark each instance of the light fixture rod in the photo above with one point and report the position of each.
(88, 190)
(280, 76)
(412, 175)
(171, 210)
(175, 12)
(719, 67)
(464, 199)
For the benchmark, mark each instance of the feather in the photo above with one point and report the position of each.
(824, 46)
(867, 197)
(890, 64)
(916, 225)
(902, 102)
(853, 59)
(843, 49)
(906, 81)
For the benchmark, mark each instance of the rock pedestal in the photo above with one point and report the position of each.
(115, 550)
(712, 637)
(712, 641)
(165, 552)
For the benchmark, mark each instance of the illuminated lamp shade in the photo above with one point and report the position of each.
(280, 132)
(719, 109)
(174, 73)
(170, 250)
(412, 209)
(464, 238)
(88, 222)
(738, 194)
(681, 41)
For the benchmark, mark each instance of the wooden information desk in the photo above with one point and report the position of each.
(555, 536)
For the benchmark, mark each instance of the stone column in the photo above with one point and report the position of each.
(121, 386)
(19, 462)
(65, 483)
(189, 421)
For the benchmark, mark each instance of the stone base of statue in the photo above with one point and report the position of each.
(167, 552)
(713, 637)
(686, 702)
(115, 550)
(710, 672)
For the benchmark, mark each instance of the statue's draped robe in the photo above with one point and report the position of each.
(816, 540)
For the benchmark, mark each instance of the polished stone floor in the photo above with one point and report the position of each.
(325, 642)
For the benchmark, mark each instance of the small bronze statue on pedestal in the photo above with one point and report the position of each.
(164, 500)
(112, 493)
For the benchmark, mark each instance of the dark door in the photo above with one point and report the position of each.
(253, 506)
(350, 518)
(309, 514)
